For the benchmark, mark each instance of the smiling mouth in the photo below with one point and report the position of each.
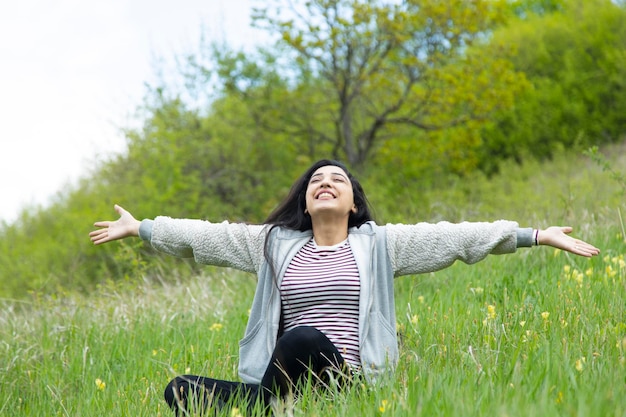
(324, 195)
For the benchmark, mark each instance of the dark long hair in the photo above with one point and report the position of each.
(290, 212)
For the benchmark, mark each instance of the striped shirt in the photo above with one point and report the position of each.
(321, 289)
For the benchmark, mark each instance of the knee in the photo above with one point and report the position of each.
(175, 391)
(302, 334)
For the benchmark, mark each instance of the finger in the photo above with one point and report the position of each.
(583, 244)
(102, 224)
(96, 233)
(567, 229)
(591, 249)
(100, 241)
(585, 249)
(102, 237)
(97, 236)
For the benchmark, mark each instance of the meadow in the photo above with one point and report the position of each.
(535, 333)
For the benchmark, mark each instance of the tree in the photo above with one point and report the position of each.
(357, 68)
(574, 60)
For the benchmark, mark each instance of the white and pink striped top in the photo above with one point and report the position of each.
(321, 289)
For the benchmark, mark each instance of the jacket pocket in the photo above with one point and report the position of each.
(380, 347)
(249, 335)
(253, 355)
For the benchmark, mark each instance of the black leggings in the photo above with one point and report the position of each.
(300, 354)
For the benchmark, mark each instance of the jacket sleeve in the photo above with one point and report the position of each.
(428, 247)
(235, 245)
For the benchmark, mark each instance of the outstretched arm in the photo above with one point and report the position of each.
(125, 226)
(558, 237)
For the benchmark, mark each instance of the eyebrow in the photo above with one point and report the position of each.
(332, 173)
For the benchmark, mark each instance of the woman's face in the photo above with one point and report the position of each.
(330, 192)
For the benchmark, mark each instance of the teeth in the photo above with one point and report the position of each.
(325, 195)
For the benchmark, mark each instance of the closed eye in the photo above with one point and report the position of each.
(335, 176)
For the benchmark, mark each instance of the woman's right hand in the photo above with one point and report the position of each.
(125, 226)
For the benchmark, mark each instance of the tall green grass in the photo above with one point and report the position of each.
(536, 333)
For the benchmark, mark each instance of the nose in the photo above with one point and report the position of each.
(326, 183)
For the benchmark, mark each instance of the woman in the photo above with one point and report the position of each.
(324, 304)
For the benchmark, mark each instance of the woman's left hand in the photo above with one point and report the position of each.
(558, 237)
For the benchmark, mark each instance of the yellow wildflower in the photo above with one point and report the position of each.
(559, 397)
(580, 364)
(100, 384)
(491, 312)
(383, 406)
(420, 299)
(235, 412)
(578, 276)
(545, 315)
(610, 272)
(216, 327)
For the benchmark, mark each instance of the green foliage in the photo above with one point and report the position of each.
(44, 248)
(566, 190)
(606, 166)
(525, 8)
(574, 60)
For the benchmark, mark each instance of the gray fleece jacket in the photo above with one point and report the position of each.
(381, 253)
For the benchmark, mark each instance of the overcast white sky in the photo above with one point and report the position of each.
(72, 71)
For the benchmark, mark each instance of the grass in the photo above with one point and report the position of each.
(536, 333)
